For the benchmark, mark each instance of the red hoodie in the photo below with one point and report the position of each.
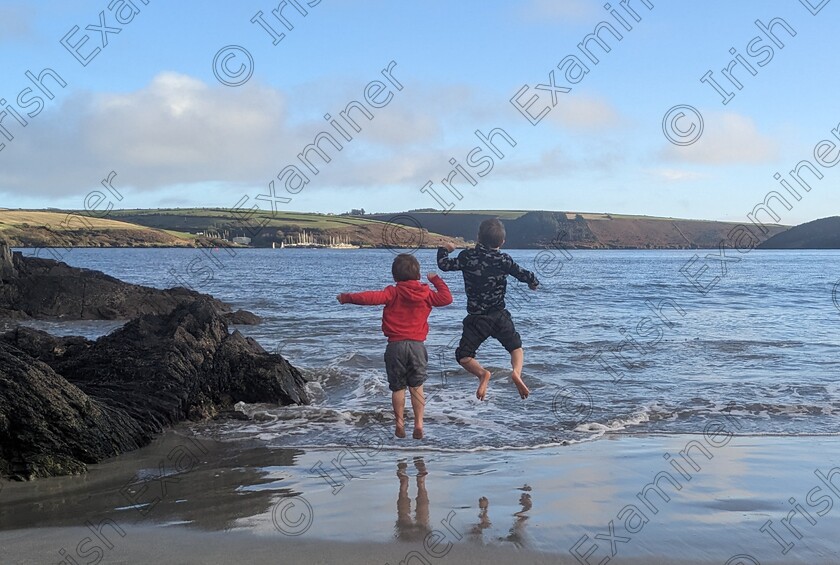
(407, 306)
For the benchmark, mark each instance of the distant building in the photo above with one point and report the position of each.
(242, 240)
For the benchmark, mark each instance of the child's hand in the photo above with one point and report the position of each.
(340, 301)
(533, 286)
(449, 246)
(431, 275)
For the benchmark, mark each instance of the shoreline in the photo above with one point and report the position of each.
(219, 499)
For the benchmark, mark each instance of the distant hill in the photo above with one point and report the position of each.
(537, 229)
(181, 227)
(177, 227)
(819, 234)
(38, 228)
(265, 228)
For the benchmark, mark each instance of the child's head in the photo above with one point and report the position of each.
(405, 268)
(491, 233)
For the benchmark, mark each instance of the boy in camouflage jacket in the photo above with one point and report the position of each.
(485, 271)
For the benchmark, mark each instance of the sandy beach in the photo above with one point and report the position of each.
(192, 500)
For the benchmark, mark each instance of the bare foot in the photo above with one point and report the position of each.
(418, 433)
(482, 385)
(400, 430)
(520, 385)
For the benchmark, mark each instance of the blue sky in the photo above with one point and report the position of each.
(149, 107)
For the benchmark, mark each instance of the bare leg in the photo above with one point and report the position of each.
(517, 356)
(475, 368)
(417, 405)
(398, 401)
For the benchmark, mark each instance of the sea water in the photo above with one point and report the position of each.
(615, 342)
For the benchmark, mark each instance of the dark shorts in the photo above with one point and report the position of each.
(478, 327)
(405, 364)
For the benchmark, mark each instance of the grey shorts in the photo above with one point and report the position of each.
(405, 364)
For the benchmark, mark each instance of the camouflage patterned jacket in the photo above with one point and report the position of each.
(485, 276)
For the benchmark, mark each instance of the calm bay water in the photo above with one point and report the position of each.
(762, 344)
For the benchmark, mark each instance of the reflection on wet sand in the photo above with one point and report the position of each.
(221, 489)
(416, 528)
(517, 531)
(516, 534)
(406, 528)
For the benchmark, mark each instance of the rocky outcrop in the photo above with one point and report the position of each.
(31, 287)
(67, 402)
(818, 234)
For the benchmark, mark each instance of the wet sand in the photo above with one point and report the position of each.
(183, 500)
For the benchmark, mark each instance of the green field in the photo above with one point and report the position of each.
(58, 221)
(201, 219)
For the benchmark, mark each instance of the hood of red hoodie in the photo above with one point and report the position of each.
(414, 291)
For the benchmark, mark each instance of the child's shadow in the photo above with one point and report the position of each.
(418, 528)
(516, 534)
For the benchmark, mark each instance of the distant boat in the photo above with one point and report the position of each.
(304, 239)
(340, 243)
(343, 246)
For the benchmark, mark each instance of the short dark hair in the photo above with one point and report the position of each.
(405, 268)
(491, 233)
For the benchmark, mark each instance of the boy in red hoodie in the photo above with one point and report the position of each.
(405, 323)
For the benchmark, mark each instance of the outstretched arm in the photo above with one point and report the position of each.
(442, 297)
(522, 275)
(367, 298)
(445, 263)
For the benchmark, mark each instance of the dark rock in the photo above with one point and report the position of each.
(243, 318)
(33, 287)
(68, 401)
(49, 426)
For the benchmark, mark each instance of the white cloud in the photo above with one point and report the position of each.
(728, 139)
(178, 130)
(585, 113)
(178, 133)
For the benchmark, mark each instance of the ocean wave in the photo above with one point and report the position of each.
(616, 424)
